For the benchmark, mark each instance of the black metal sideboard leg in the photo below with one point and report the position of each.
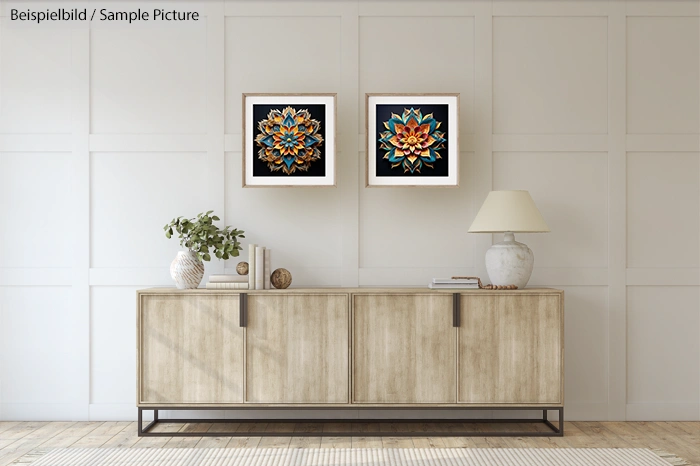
(558, 431)
(553, 431)
(561, 421)
(144, 431)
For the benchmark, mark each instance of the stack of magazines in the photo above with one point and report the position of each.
(454, 283)
(228, 282)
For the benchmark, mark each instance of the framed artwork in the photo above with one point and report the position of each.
(289, 140)
(412, 139)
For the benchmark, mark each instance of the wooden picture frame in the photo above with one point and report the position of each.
(302, 157)
(433, 160)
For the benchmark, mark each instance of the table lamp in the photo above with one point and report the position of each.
(509, 212)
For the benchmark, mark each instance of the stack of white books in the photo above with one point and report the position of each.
(227, 282)
(454, 283)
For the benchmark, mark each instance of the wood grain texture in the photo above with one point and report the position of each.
(379, 290)
(405, 351)
(297, 348)
(680, 438)
(190, 349)
(511, 349)
(403, 348)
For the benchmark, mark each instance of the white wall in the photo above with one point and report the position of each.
(593, 106)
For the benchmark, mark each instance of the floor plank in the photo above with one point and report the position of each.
(397, 442)
(659, 436)
(428, 442)
(277, 442)
(72, 434)
(101, 435)
(244, 442)
(20, 438)
(32, 440)
(336, 442)
(305, 441)
(366, 442)
(183, 442)
(213, 442)
(124, 439)
(159, 442)
(5, 425)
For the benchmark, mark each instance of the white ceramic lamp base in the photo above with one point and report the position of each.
(509, 262)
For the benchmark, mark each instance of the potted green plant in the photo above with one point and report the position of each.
(200, 238)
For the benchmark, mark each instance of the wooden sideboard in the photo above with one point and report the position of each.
(350, 348)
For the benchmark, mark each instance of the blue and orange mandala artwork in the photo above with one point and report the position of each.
(289, 140)
(412, 140)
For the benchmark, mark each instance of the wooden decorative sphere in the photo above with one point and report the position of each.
(281, 279)
(242, 268)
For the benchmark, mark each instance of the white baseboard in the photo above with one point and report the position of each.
(663, 411)
(44, 412)
(578, 411)
(116, 412)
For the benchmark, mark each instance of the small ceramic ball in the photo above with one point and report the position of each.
(281, 279)
(242, 268)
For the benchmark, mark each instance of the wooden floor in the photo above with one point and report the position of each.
(19, 438)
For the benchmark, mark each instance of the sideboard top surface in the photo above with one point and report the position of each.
(365, 290)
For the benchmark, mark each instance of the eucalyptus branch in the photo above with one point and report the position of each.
(199, 235)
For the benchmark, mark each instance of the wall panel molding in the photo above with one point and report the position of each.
(663, 276)
(36, 143)
(569, 276)
(547, 8)
(483, 121)
(10, 276)
(149, 142)
(550, 143)
(216, 115)
(438, 8)
(662, 411)
(586, 411)
(45, 411)
(663, 8)
(160, 276)
(617, 211)
(282, 8)
(80, 100)
(663, 143)
(348, 175)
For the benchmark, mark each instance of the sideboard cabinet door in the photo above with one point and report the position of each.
(297, 348)
(403, 349)
(511, 349)
(191, 349)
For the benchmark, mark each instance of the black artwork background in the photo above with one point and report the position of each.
(441, 166)
(317, 168)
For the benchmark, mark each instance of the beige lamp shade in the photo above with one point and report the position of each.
(513, 211)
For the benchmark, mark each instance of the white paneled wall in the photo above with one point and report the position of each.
(594, 107)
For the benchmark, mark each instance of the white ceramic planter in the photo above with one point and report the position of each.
(187, 270)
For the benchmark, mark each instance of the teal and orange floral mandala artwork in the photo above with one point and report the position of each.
(412, 140)
(289, 140)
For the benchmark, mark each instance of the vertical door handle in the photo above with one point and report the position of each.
(455, 309)
(243, 309)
